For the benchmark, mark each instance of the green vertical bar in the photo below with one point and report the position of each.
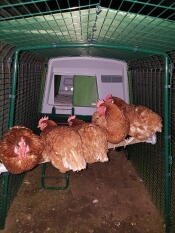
(13, 91)
(167, 147)
(3, 210)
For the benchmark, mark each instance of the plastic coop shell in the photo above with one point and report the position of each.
(79, 81)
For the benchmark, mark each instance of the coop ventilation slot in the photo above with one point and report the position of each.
(111, 79)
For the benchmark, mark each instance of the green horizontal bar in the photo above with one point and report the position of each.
(22, 3)
(151, 4)
(132, 13)
(49, 46)
(47, 12)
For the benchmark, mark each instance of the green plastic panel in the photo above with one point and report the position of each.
(85, 91)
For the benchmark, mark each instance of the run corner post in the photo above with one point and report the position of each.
(13, 89)
(167, 142)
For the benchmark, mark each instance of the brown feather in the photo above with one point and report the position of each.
(12, 162)
(63, 147)
(144, 123)
(114, 122)
(94, 142)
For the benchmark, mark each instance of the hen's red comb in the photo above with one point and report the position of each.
(99, 102)
(40, 122)
(108, 97)
(69, 120)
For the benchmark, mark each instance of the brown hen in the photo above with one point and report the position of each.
(20, 149)
(144, 123)
(109, 117)
(63, 147)
(116, 100)
(94, 140)
(73, 121)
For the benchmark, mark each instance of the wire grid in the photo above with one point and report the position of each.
(5, 90)
(42, 87)
(145, 24)
(147, 88)
(26, 111)
(14, 183)
(28, 91)
(5, 85)
(173, 146)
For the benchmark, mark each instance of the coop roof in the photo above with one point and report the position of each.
(89, 27)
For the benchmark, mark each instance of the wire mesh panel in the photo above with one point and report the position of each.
(9, 185)
(147, 88)
(5, 85)
(122, 22)
(7, 189)
(26, 111)
(136, 26)
(172, 55)
(28, 93)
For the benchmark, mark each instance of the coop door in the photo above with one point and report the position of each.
(63, 88)
(57, 80)
(85, 91)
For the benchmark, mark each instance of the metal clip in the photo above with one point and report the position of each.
(98, 9)
(135, 48)
(170, 165)
(170, 160)
(92, 40)
(12, 96)
(167, 86)
(171, 68)
(94, 28)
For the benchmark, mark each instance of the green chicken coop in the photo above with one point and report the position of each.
(138, 32)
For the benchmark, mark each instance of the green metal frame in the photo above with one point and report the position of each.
(64, 117)
(151, 4)
(167, 146)
(106, 23)
(43, 177)
(167, 140)
(41, 13)
(21, 3)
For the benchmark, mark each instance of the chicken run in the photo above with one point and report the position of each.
(140, 33)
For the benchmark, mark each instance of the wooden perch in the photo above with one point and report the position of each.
(123, 143)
